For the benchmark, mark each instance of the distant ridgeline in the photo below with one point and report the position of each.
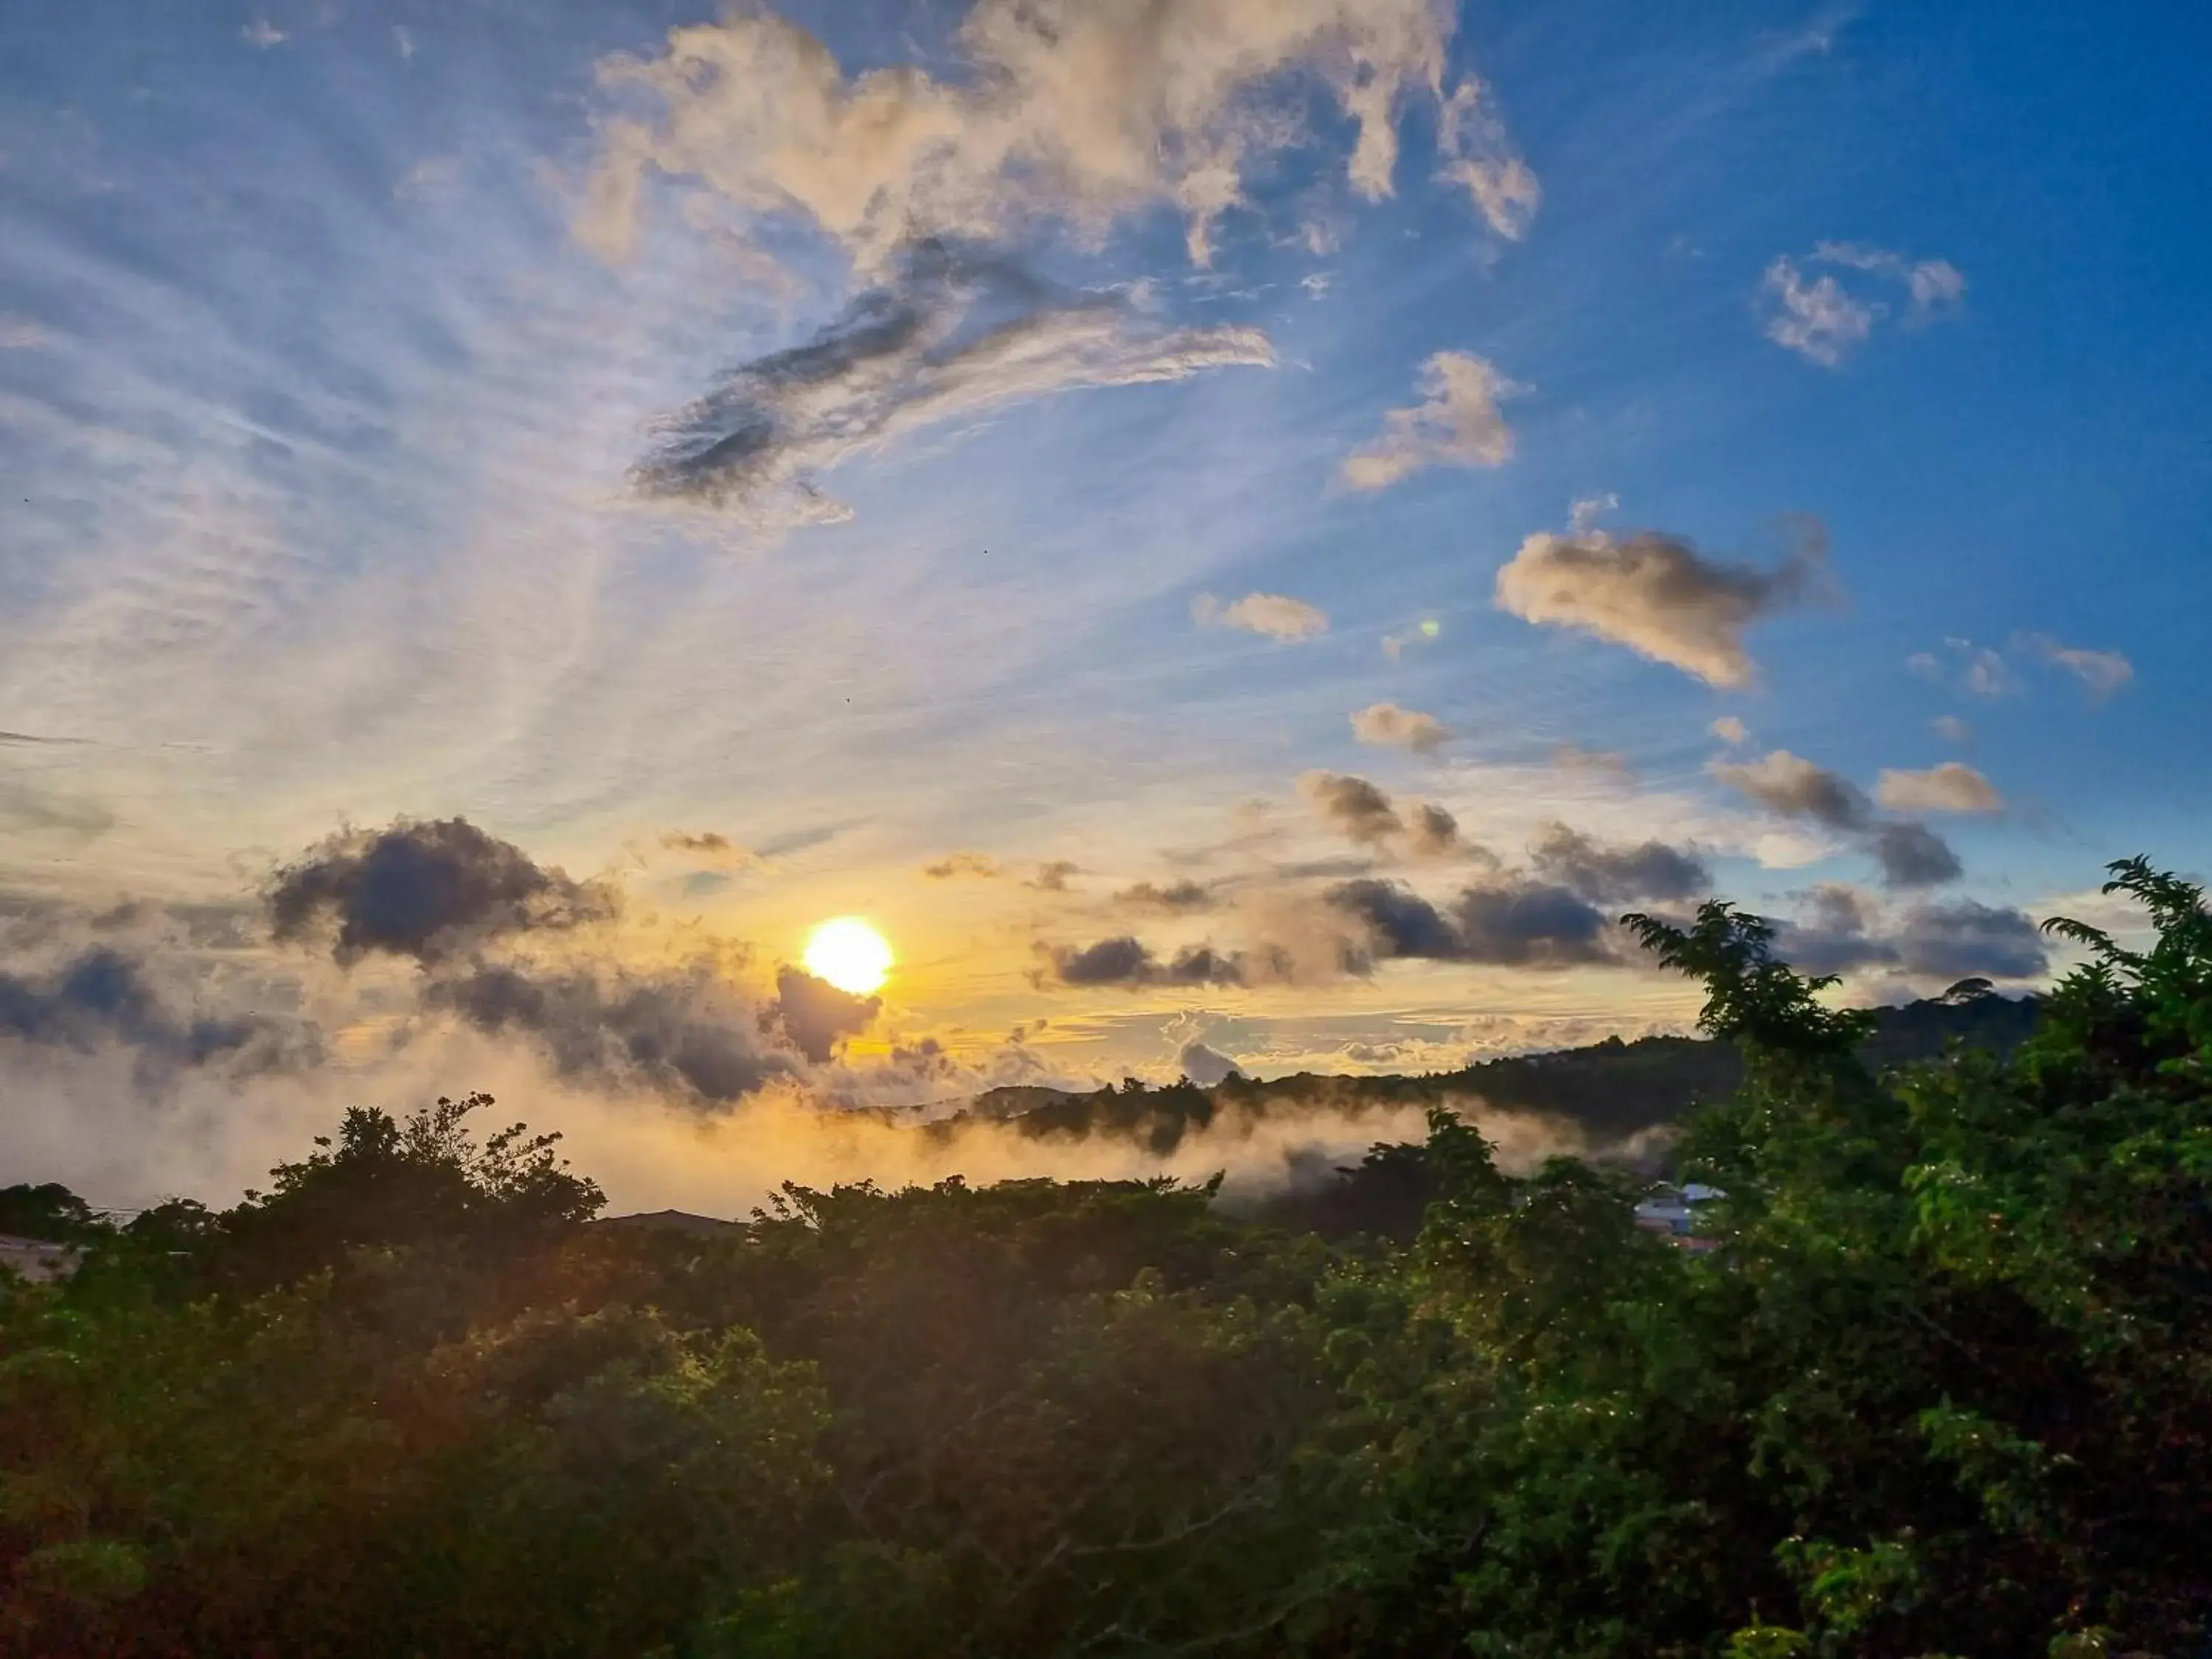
(1598, 1099)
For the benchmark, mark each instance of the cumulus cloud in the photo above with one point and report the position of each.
(1128, 962)
(1822, 321)
(1067, 113)
(424, 888)
(1910, 854)
(1730, 731)
(1842, 931)
(955, 865)
(1457, 422)
(2101, 672)
(1659, 596)
(1913, 855)
(1388, 726)
(1516, 923)
(1275, 615)
(1652, 871)
(950, 334)
(816, 1016)
(1435, 832)
(1951, 786)
(103, 996)
(690, 1034)
(1351, 805)
(1792, 784)
(1205, 1066)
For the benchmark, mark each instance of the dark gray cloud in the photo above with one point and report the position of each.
(952, 331)
(1840, 931)
(103, 996)
(1435, 831)
(425, 888)
(816, 1016)
(1792, 784)
(1129, 961)
(1351, 805)
(1052, 876)
(1618, 875)
(1511, 922)
(708, 844)
(961, 864)
(688, 1033)
(1912, 855)
(30, 738)
(1177, 898)
(1963, 937)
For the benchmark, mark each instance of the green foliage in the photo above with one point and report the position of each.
(1939, 1389)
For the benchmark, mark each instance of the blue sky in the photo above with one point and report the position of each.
(332, 339)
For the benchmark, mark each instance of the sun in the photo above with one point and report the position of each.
(849, 954)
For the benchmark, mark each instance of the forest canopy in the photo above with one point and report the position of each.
(1942, 1385)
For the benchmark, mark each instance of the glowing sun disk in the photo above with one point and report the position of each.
(849, 954)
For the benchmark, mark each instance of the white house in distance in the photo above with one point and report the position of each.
(36, 1259)
(1673, 1212)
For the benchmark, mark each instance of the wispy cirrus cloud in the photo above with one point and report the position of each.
(951, 334)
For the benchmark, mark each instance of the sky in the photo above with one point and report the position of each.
(1230, 531)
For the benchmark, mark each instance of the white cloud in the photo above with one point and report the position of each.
(1071, 111)
(1817, 320)
(1932, 285)
(263, 33)
(1388, 726)
(22, 334)
(1951, 786)
(1585, 511)
(1456, 423)
(2101, 672)
(1823, 321)
(1730, 731)
(1657, 594)
(1952, 729)
(1276, 615)
(1480, 162)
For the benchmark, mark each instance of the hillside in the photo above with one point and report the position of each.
(1607, 1093)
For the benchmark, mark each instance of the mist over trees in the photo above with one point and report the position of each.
(1942, 1386)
